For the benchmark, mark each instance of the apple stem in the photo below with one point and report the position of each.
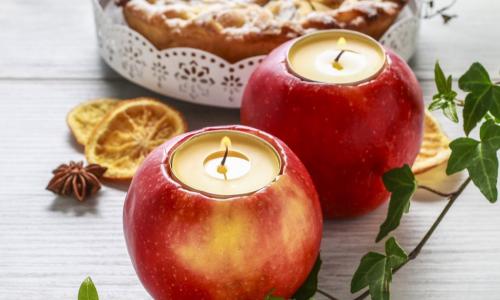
(416, 251)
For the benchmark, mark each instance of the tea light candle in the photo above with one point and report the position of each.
(336, 56)
(225, 163)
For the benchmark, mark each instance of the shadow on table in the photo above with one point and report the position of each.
(74, 144)
(70, 205)
(117, 185)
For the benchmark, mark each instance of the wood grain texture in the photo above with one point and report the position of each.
(48, 244)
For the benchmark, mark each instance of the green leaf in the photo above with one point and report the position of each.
(437, 103)
(480, 159)
(490, 134)
(483, 96)
(378, 277)
(462, 152)
(450, 111)
(270, 296)
(310, 286)
(475, 80)
(475, 108)
(396, 256)
(375, 270)
(364, 273)
(483, 171)
(495, 106)
(445, 98)
(87, 290)
(402, 185)
(449, 82)
(440, 79)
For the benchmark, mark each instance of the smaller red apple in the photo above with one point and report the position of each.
(186, 245)
(347, 136)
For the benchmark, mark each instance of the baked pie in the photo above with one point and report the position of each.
(237, 29)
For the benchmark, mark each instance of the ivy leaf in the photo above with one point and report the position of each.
(375, 270)
(483, 171)
(87, 290)
(483, 96)
(475, 108)
(476, 79)
(440, 79)
(462, 153)
(445, 98)
(378, 278)
(479, 158)
(490, 134)
(402, 185)
(395, 254)
(310, 286)
(495, 106)
(361, 279)
(269, 296)
(450, 111)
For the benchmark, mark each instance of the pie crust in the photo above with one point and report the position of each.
(238, 29)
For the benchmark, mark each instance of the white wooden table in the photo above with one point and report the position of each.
(48, 245)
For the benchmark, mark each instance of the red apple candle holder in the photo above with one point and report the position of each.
(222, 213)
(349, 109)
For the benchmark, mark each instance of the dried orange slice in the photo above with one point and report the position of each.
(435, 148)
(83, 118)
(129, 132)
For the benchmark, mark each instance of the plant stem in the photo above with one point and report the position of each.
(460, 102)
(413, 254)
(320, 291)
(434, 191)
(440, 11)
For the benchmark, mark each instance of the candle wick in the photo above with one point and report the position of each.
(225, 156)
(338, 56)
(221, 168)
(336, 64)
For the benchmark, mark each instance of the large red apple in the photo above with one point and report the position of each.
(185, 245)
(347, 136)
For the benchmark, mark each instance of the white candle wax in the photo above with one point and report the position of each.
(250, 165)
(336, 56)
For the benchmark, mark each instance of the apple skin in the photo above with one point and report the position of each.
(185, 245)
(347, 136)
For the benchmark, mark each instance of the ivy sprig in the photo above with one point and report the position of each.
(445, 98)
(477, 156)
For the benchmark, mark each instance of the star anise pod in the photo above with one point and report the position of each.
(77, 180)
